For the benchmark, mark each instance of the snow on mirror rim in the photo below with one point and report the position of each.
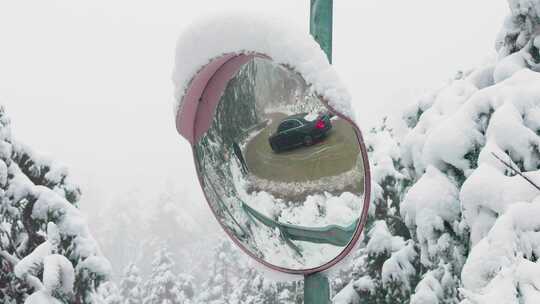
(213, 37)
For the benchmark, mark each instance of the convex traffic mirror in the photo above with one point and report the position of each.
(283, 169)
(282, 172)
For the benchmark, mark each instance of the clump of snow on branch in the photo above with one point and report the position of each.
(58, 272)
(428, 290)
(430, 203)
(519, 26)
(482, 208)
(504, 261)
(399, 267)
(381, 240)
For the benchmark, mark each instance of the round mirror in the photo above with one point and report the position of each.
(282, 171)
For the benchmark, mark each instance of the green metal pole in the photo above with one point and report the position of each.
(316, 285)
(320, 24)
(316, 289)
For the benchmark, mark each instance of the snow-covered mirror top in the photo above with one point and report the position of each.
(216, 36)
(279, 156)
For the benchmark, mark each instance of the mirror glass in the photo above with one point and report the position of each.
(283, 174)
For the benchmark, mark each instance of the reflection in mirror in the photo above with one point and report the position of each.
(282, 173)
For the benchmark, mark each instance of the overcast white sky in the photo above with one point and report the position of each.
(88, 82)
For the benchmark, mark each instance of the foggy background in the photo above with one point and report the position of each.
(88, 83)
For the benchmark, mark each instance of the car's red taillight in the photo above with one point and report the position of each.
(319, 124)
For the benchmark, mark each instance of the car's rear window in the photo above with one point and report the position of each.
(288, 124)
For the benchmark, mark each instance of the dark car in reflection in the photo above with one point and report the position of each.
(300, 130)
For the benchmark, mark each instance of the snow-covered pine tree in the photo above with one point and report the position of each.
(290, 292)
(226, 269)
(518, 42)
(456, 134)
(462, 195)
(431, 207)
(250, 289)
(499, 205)
(47, 254)
(520, 27)
(121, 240)
(165, 220)
(254, 288)
(131, 287)
(162, 286)
(186, 286)
(385, 267)
(108, 293)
